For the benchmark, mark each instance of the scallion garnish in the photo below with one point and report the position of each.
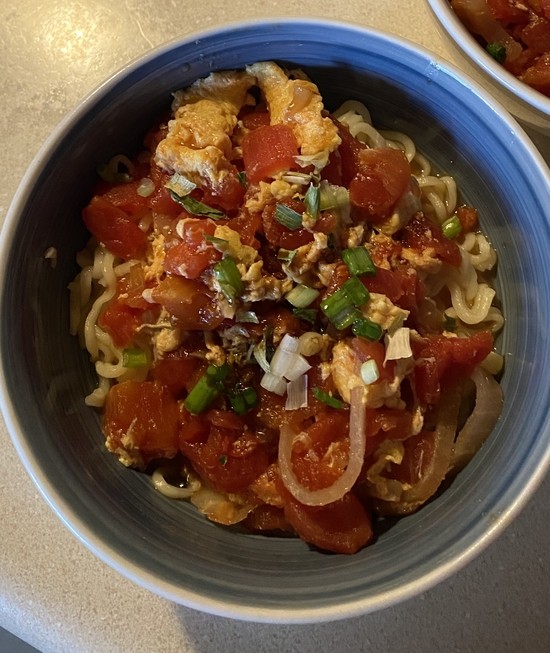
(243, 400)
(327, 399)
(288, 217)
(449, 323)
(134, 357)
(331, 196)
(223, 459)
(228, 276)
(307, 314)
(286, 255)
(342, 306)
(358, 261)
(215, 240)
(241, 176)
(195, 207)
(207, 388)
(301, 296)
(497, 51)
(451, 228)
(180, 185)
(366, 328)
(312, 201)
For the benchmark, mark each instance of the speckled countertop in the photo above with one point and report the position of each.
(54, 593)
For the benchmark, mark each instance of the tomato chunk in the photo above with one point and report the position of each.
(420, 233)
(115, 228)
(146, 414)
(267, 150)
(191, 256)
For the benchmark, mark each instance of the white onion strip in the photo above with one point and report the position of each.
(482, 420)
(356, 458)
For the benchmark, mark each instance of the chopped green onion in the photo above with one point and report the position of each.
(134, 358)
(286, 255)
(327, 399)
(223, 459)
(241, 176)
(370, 372)
(243, 400)
(180, 185)
(358, 261)
(145, 187)
(451, 228)
(215, 240)
(331, 196)
(341, 307)
(301, 296)
(497, 51)
(449, 323)
(207, 388)
(288, 217)
(307, 314)
(312, 202)
(365, 328)
(247, 316)
(228, 276)
(195, 207)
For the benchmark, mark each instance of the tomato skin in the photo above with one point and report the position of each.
(177, 371)
(114, 228)
(191, 256)
(189, 301)
(228, 459)
(148, 411)
(341, 527)
(267, 150)
(382, 177)
(441, 362)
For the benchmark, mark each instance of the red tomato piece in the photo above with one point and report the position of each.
(125, 197)
(247, 224)
(367, 350)
(189, 301)
(228, 195)
(381, 179)
(420, 233)
(177, 370)
(385, 424)
(538, 75)
(342, 527)
(508, 12)
(228, 459)
(536, 35)
(402, 287)
(267, 150)
(114, 228)
(191, 256)
(148, 413)
(280, 236)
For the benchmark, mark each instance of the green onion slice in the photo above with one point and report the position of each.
(207, 388)
(307, 314)
(288, 217)
(286, 255)
(327, 399)
(497, 51)
(134, 357)
(331, 196)
(195, 207)
(243, 400)
(301, 296)
(451, 228)
(341, 308)
(180, 185)
(365, 328)
(228, 276)
(312, 201)
(358, 261)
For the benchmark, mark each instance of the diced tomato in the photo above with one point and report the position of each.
(417, 455)
(441, 361)
(255, 117)
(536, 35)
(266, 518)
(467, 216)
(538, 75)
(267, 150)
(385, 424)
(189, 301)
(114, 228)
(247, 224)
(332, 172)
(228, 459)
(348, 152)
(125, 197)
(280, 236)
(401, 286)
(342, 527)
(191, 256)
(382, 177)
(147, 413)
(508, 11)
(160, 200)
(369, 350)
(228, 194)
(420, 233)
(177, 370)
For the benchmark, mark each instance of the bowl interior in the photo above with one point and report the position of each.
(528, 105)
(165, 545)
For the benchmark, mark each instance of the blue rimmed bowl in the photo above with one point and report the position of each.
(167, 546)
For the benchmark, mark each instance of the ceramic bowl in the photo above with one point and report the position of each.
(167, 546)
(526, 104)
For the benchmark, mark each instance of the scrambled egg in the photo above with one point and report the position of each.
(233, 246)
(384, 312)
(298, 104)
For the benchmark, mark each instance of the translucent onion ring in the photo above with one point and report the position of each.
(356, 458)
(482, 420)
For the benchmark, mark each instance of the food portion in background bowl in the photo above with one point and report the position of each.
(290, 313)
(515, 32)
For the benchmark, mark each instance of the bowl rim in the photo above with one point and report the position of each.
(82, 530)
(482, 60)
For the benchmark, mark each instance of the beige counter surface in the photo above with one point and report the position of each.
(54, 593)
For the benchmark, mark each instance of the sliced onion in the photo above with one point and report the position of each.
(346, 481)
(481, 422)
(296, 393)
(272, 383)
(398, 344)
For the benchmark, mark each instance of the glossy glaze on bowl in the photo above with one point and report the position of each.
(525, 103)
(167, 546)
